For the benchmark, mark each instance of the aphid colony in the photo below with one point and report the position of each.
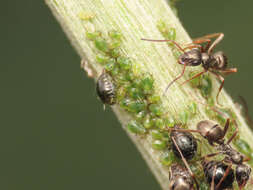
(139, 99)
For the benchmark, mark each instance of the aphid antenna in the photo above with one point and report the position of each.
(185, 163)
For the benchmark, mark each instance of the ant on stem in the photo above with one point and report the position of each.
(215, 63)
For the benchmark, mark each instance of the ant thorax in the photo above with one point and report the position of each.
(233, 155)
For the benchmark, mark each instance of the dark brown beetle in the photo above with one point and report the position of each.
(216, 63)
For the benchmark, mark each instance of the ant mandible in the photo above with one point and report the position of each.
(215, 63)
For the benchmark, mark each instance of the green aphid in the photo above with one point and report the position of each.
(169, 122)
(206, 86)
(135, 93)
(115, 72)
(156, 134)
(159, 123)
(124, 63)
(167, 158)
(147, 85)
(133, 106)
(153, 99)
(147, 122)
(192, 108)
(93, 35)
(135, 127)
(101, 45)
(115, 52)
(121, 93)
(110, 65)
(156, 109)
(159, 144)
(141, 115)
(243, 147)
(115, 35)
(196, 82)
(102, 59)
(184, 117)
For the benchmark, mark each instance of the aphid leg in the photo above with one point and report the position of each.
(221, 86)
(224, 176)
(209, 48)
(234, 135)
(214, 172)
(175, 43)
(185, 163)
(195, 76)
(178, 77)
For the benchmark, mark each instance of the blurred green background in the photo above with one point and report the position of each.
(54, 133)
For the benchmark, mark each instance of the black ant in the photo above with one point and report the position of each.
(215, 134)
(218, 174)
(180, 177)
(215, 63)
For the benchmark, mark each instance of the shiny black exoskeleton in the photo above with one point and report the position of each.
(186, 142)
(215, 134)
(242, 173)
(106, 89)
(216, 170)
(180, 178)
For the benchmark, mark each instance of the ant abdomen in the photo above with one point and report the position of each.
(216, 170)
(185, 141)
(190, 58)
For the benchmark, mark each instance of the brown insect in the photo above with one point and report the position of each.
(215, 63)
(215, 135)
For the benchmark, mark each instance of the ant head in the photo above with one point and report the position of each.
(190, 58)
(211, 131)
(219, 61)
(242, 174)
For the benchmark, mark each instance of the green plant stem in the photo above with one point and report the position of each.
(137, 19)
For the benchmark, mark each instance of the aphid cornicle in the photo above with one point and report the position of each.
(106, 89)
(185, 141)
(215, 63)
(222, 174)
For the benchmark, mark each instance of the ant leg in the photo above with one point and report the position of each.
(228, 71)
(195, 76)
(175, 43)
(226, 127)
(210, 155)
(191, 46)
(209, 48)
(235, 133)
(200, 41)
(214, 172)
(185, 163)
(224, 176)
(178, 77)
(221, 86)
